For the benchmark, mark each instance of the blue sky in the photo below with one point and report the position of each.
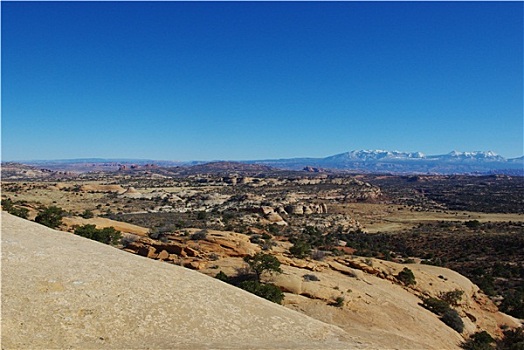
(251, 80)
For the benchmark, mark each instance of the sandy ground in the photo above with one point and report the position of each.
(390, 218)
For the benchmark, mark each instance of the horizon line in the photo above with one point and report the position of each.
(97, 158)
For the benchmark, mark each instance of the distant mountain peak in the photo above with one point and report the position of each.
(383, 161)
(378, 154)
(475, 155)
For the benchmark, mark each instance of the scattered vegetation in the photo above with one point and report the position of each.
(456, 192)
(479, 341)
(222, 276)
(447, 315)
(339, 301)
(9, 206)
(260, 263)
(264, 290)
(453, 320)
(107, 235)
(311, 237)
(437, 306)
(50, 217)
(87, 214)
(512, 339)
(491, 254)
(513, 302)
(300, 249)
(472, 224)
(452, 297)
(407, 277)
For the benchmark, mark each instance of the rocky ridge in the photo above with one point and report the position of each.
(369, 287)
(378, 310)
(64, 291)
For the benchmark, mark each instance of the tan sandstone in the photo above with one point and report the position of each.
(66, 292)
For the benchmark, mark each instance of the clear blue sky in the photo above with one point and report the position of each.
(251, 80)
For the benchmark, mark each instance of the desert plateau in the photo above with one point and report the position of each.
(350, 261)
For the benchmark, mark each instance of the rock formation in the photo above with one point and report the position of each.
(64, 291)
(131, 192)
(306, 209)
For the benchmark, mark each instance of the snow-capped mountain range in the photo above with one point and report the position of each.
(408, 162)
(376, 155)
(358, 161)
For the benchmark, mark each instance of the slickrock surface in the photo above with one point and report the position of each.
(60, 291)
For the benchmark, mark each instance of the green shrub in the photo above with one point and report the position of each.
(472, 224)
(8, 206)
(513, 303)
(487, 284)
(17, 211)
(407, 277)
(274, 229)
(87, 214)
(107, 235)
(452, 297)
(339, 302)
(453, 320)
(20, 212)
(222, 276)
(513, 339)
(264, 290)
(261, 262)
(435, 305)
(479, 341)
(300, 249)
(447, 315)
(50, 217)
